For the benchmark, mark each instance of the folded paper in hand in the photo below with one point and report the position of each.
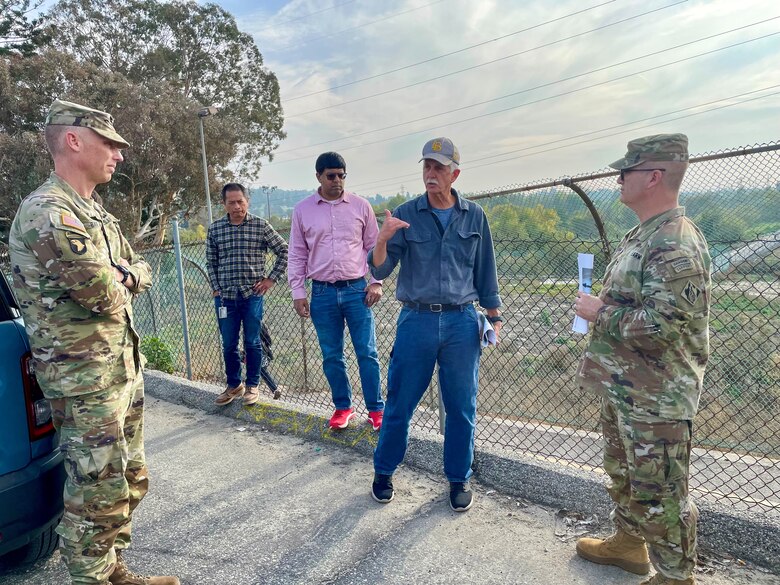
(486, 332)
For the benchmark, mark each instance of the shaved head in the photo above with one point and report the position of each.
(54, 138)
(673, 177)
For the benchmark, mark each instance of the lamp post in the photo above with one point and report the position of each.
(202, 113)
(268, 190)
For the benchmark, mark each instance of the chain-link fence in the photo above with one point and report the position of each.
(528, 399)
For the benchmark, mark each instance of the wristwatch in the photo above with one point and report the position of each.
(495, 319)
(125, 272)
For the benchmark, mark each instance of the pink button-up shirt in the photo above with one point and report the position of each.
(330, 240)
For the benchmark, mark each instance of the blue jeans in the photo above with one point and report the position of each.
(248, 311)
(450, 338)
(331, 307)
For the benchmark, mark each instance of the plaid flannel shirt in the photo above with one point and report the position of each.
(236, 255)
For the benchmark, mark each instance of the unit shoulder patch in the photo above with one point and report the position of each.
(78, 244)
(691, 292)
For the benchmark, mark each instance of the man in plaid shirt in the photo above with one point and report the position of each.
(236, 248)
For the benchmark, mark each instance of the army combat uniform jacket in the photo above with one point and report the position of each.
(78, 317)
(650, 342)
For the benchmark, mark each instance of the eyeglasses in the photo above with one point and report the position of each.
(624, 171)
(332, 176)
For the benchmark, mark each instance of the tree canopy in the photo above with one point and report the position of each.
(153, 66)
(18, 34)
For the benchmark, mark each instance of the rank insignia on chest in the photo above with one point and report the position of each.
(78, 244)
(691, 292)
(636, 255)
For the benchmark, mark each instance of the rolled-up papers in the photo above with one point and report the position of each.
(486, 332)
(585, 265)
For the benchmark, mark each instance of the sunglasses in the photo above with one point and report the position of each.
(332, 176)
(624, 171)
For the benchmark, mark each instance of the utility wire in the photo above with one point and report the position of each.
(551, 83)
(459, 71)
(544, 99)
(386, 181)
(274, 25)
(464, 49)
(341, 32)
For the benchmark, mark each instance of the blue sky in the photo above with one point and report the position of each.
(579, 90)
(528, 90)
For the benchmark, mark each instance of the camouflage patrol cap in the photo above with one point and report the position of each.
(69, 114)
(658, 147)
(441, 150)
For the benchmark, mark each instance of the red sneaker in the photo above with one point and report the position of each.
(375, 419)
(341, 418)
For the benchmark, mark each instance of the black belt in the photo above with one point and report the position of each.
(340, 283)
(435, 307)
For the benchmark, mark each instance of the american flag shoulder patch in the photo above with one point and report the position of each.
(70, 221)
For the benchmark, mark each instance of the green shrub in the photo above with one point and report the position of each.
(158, 354)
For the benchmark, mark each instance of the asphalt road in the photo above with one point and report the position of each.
(232, 503)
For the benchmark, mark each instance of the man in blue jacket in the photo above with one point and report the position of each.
(444, 245)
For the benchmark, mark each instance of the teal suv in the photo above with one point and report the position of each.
(31, 469)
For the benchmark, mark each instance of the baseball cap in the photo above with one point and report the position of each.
(69, 114)
(441, 150)
(658, 147)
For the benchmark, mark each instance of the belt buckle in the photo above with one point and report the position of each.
(435, 308)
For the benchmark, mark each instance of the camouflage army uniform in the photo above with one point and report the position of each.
(80, 323)
(646, 358)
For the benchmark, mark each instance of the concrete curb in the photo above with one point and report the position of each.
(750, 536)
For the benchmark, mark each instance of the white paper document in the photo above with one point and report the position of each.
(585, 266)
(486, 332)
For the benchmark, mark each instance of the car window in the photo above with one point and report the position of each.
(9, 308)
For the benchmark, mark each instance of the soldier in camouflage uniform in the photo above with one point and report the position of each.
(646, 357)
(75, 276)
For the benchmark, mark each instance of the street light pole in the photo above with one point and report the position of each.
(202, 113)
(268, 190)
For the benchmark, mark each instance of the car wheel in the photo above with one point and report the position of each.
(39, 548)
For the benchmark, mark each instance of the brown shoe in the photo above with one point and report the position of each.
(124, 576)
(659, 579)
(621, 550)
(229, 395)
(252, 395)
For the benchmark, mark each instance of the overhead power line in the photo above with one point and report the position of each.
(275, 24)
(464, 49)
(544, 99)
(341, 32)
(391, 180)
(459, 71)
(526, 90)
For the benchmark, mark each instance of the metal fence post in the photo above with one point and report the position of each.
(182, 298)
(154, 318)
(305, 356)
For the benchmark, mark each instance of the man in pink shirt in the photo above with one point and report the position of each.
(331, 234)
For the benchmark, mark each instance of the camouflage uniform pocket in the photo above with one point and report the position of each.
(74, 244)
(89, 465)
(661, 456)
(72, 528)
(685, 277)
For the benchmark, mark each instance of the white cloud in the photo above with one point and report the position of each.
(306, 61)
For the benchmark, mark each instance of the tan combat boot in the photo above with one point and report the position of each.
(659, 579)
(621, 549)
(124, 576)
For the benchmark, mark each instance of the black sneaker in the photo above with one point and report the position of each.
(461, 496)
(382, 488)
